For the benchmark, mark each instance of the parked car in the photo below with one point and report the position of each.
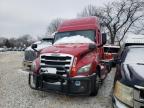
(30, 54)
(72, 66)
(2, 49)
(128, 90)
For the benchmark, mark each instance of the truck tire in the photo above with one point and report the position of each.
(95, 85)
(33, 81)
(109, 68)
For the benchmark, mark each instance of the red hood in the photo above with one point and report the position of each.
(73, 49)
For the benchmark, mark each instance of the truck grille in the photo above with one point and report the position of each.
(29, 55)
(142, 94)
(60, 62)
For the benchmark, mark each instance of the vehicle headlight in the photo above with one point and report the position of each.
(124, 93)
(84, 69)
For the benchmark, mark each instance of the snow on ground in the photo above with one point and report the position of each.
(16, 93)
(74, 39)
(21, 71)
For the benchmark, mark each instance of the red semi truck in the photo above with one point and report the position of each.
(75, 64)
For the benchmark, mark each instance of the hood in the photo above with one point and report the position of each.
(39, 46)
(73, 49)
(134, 73)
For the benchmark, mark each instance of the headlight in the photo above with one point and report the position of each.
(124, 93)
(84, 69)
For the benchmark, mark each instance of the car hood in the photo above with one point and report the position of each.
(134, 73)
(72, 49)
(39, 46)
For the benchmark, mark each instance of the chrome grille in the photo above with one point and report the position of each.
(60, 61)
(29, 55)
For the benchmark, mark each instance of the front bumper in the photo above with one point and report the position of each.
(118, 104)
(62, 85)
(27, 65)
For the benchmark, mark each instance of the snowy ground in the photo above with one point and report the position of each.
(15, 92)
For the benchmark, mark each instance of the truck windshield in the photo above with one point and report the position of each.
(89, 34)
(47, 40)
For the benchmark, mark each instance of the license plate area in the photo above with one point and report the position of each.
(49, 70)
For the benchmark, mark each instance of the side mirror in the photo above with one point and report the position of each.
(104, 38)
(92, 47)
(34, 46)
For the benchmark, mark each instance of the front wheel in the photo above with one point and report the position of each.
(95, 85)
(33, 81)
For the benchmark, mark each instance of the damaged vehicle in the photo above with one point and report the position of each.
(128, 90)
(75, 64)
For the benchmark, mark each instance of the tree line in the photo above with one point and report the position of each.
(21, 42)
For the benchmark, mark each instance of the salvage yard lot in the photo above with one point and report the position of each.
(15, 92)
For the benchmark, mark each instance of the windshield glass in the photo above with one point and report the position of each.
(135, 55)
(75, 37)
(47, 40)
(111, 50)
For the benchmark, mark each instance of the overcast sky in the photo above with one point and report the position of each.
(19, 17)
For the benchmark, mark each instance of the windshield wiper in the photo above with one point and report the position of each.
(140, 63)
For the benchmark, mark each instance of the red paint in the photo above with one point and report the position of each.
(37, 67)
(80, 51)
(88, 23)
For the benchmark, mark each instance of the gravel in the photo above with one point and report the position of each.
(15, 92)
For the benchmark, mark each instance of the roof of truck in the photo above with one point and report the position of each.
(134, 39)
(86, 23)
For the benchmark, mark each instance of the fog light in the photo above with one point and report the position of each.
(77, 83)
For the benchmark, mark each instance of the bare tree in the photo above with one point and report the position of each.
(138, 28)
(53, 26)
(2, 41)
(23, 41)
(117, 17)
(89, 10)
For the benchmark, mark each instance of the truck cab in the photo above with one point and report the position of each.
(73, 64)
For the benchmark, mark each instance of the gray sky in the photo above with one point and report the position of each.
(19, 17)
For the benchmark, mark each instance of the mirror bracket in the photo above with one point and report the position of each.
(34, 46)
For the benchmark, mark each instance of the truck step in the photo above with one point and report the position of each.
(100, 82)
